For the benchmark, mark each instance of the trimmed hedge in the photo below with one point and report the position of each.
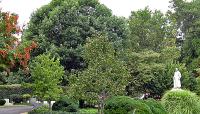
(45, 110)
(126, 105)
(7, 90)
(41, 110)
(181, 102)
(16, 98)
(155, 106)
(65, 104)
(26, 96)
(2, 102)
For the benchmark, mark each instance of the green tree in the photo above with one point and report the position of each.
(146, 72)
(62, 27)
(13, 53)
(186, 13)
(147, 29)
(105, 75)
(170, 53)
(46, 73)
(153, 72)
(188, 20)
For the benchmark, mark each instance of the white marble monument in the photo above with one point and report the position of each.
(176, 79)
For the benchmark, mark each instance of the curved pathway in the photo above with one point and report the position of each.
(15, 109)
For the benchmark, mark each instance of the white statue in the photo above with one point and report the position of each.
(176, 78)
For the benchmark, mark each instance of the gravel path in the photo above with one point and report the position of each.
(15, 109)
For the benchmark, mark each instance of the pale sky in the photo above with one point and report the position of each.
(119, 7)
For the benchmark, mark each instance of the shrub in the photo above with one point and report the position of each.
(16, 98)
(56, 112)
(26, 96)
(7, 90)
(65, 104)
(2, 102)
(40, 110)
(125, 105)
(181, 102)
(155, 106)
(198, 86)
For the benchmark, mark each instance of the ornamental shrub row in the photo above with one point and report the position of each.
(128, 105)
(2, 102)
(65, 104)
(8, 90)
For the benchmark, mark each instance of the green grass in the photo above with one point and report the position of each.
(88, 111)
(81, 111)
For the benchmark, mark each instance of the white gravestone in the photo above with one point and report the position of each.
(7, 102)
(45, 103)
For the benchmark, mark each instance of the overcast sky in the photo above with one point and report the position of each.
(119, 7)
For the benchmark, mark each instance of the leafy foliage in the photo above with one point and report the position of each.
(125, 105)
(12, 52)
(2, 102)
(16, 98)
(26, 96)
(152, 71)
(146, 71)
(65, 104)
(104, 73)
(46, 73)
(40, 110)
(7, 90)
(152, 53)
(155, 106)
(147, 29)
(187, 16)
(181, 102)
(62, 27)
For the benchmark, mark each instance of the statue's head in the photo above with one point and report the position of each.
(176, 69)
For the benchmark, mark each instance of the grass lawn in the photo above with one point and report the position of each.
(88, 111)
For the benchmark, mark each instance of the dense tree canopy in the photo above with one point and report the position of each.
(102, 54)
(62, 27)
(187, 16)
(105, 75)
(148, 29)
(152, 72)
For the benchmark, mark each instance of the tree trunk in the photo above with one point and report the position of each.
(102, 106)
(81, 103)
(49, 102)
(7, 70)
(102, 97)
(99, 106)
